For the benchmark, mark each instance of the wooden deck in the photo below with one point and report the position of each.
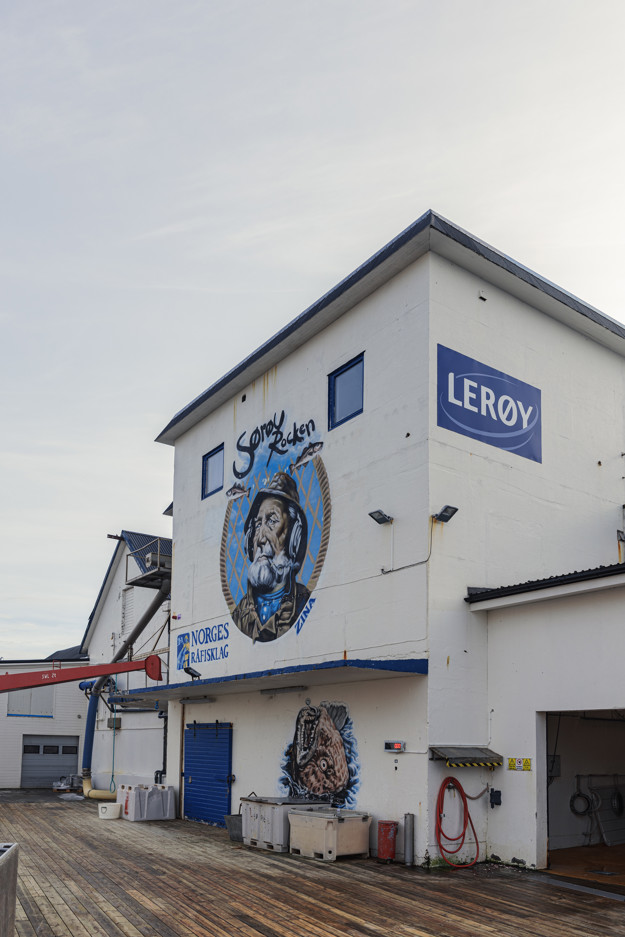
(604, 865)
(81, 876)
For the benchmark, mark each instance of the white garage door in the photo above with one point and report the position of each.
(46, 758)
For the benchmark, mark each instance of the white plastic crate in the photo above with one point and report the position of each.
(146, 802)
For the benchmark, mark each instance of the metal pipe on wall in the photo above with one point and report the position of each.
(409, 838)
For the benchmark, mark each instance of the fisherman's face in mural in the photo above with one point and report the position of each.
(276, 534)
(270, 567)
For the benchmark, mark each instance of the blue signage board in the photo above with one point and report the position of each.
(488, 405)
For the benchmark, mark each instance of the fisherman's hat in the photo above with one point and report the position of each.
(284, 487)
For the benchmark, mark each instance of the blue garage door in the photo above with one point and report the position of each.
(207, 771)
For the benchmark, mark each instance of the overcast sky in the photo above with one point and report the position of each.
(180, 178)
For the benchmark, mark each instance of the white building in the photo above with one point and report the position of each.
(128, 742)
(439, 373)
(41, 728)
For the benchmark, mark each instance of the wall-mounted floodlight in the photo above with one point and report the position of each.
(198, 699)
(445, 514)
(283, 689)
(380, 517)
(194, 674)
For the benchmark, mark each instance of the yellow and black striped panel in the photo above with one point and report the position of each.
(473, 764)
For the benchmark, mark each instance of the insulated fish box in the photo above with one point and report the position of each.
(329, 832)
(266, 821)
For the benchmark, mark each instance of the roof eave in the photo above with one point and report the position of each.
(378, 269)
(429, 232)
(599, 579)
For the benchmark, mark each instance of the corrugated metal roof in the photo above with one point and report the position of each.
(479, 594)
(139, 544)
(68, 653)
(466, 756)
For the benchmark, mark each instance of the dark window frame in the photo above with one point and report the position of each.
(205, 463)
(352, 364)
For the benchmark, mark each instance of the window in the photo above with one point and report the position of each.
(345, 391)
(31, 749)
(128, 608)
(50, 749)
(213, 471)
(38, 701)
(70, 749)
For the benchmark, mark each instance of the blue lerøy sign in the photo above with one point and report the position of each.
(488, 405)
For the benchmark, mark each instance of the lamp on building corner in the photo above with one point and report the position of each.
(194, 674)
(445, 514)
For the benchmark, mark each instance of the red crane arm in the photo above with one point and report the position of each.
(21, 681)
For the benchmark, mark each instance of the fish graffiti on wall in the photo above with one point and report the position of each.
(321, 763)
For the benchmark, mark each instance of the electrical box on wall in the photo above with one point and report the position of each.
(394, 746)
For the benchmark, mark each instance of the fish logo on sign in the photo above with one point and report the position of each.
(183, 650)
(489, 405)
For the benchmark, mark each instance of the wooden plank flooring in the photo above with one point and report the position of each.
(80, 876)
(604, 865)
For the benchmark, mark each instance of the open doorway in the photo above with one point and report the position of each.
(586, 795)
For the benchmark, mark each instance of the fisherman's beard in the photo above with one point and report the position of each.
(269, 573)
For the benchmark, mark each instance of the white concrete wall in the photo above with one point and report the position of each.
(523, 519)
(376, 460)
(263, 726)
(518, 519)
(69, 709)
(554, 656)
(132, 754)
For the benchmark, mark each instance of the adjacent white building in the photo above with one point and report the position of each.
(129, 740)
(334, 633)
(41, 728)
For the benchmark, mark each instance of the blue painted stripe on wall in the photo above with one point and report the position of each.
(407, 666)
(27, 716)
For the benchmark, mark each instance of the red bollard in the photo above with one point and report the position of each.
(387, 835)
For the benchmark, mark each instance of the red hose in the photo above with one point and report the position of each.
(460, 838)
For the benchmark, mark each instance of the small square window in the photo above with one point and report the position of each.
(213, 471)
(345, 391)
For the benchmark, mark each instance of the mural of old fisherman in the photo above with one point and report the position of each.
(276, 534)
